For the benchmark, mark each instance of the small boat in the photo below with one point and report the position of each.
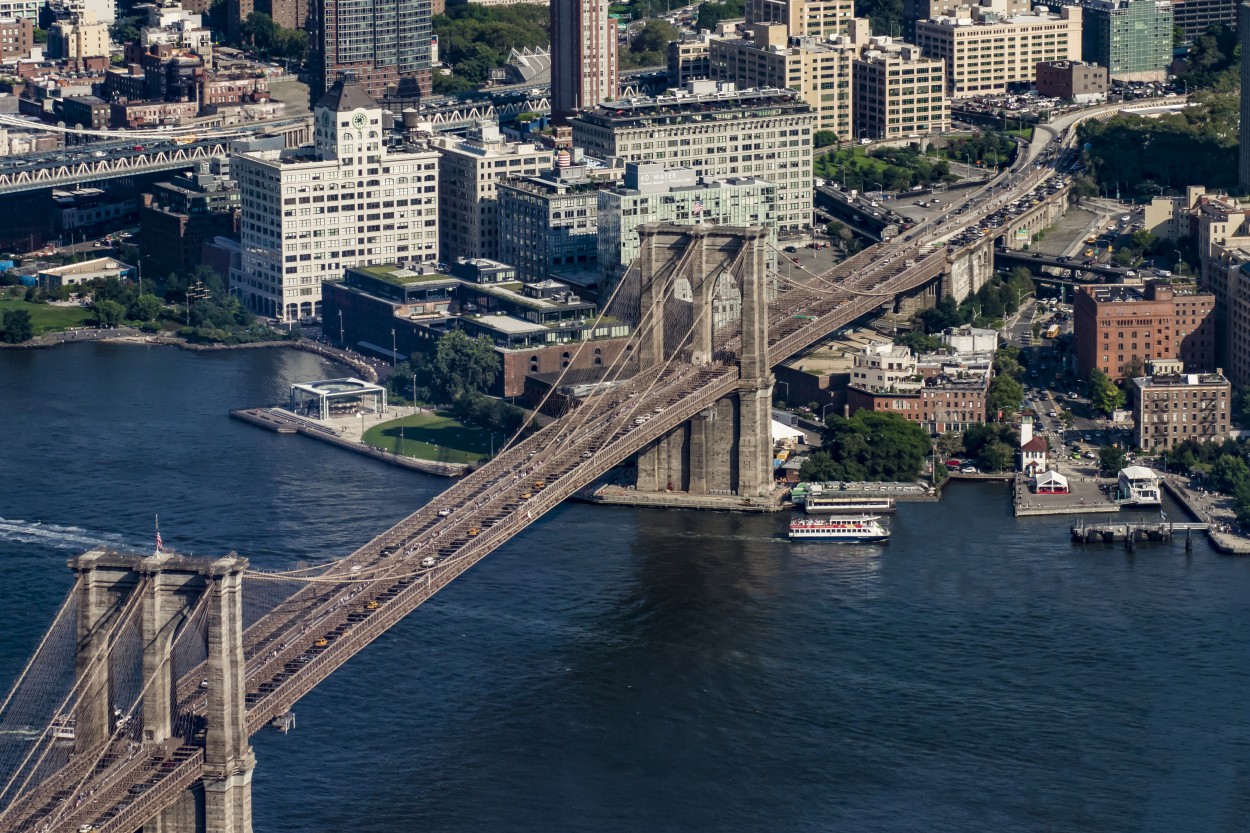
(864, 529)
(828, 505)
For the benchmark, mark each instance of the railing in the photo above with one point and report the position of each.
(157, 797)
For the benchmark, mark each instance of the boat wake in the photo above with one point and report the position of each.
(55, 535)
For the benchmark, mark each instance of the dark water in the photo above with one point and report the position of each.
(618, 670)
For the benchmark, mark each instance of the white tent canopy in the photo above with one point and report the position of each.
(1051, 481)
(781, 431)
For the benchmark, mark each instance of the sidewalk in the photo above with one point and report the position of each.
(1215, 509)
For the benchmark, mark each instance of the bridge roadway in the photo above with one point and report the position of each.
(316, 630)
(30, 173)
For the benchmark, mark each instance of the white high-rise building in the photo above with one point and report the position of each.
(347, 200)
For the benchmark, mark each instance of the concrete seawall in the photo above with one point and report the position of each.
(272, 420)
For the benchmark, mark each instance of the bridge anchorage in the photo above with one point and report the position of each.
(716, 279)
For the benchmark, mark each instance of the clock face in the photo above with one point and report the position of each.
(359, 120)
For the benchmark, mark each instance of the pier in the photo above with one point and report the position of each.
(1131, 533)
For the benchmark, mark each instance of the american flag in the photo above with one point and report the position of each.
(698, 207)
(159, 543)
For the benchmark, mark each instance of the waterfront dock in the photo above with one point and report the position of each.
(346, 435)
(1085, 497)
(1216, 510)
(614, 495)
(1130, 533)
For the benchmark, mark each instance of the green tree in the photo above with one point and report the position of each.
(977, 437)
(108, 313)
(1005, 394)
(1143, 240)
(16, 327)
(1110, 460)
(996, 456)
(1241, 506)
(124, 30)
(463, 365)
(1134, 368)
(874, 445)
(1104, 396)
(145, 308)
(1230, 474)
(474, 39)
(819, 467)
(824, 138)
(654, 36)
(950, 443)
(711, 13)
(886, 15)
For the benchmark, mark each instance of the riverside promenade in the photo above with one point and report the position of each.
(1213, 508)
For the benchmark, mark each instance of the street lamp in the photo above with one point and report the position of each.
(392, 348)
(340, 327)
(1179, 259)
(787, 397)
(822, 410)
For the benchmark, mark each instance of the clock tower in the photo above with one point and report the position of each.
(347, 123)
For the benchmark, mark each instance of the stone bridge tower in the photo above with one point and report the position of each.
(170, 587)
(704, 301)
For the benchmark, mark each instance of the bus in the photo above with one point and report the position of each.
(1052, 331)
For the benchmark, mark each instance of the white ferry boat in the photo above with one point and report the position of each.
(861, 530)
(830, 505)
(1139, 486)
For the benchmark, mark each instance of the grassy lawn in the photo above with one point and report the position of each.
(431, 436)
(49, 319)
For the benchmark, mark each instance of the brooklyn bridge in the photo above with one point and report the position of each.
(149, 729)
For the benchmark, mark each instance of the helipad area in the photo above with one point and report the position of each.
(337, 397)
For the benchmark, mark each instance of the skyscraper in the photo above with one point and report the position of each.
(583, 55)
(1243, 35)
(385, 43)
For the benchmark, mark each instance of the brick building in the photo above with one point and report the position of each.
(1073, 80)
(17, 37)
(1119, 328)
(180, 216)
(86, 110)
(1171, 407)
(148, 113)
(939, 393)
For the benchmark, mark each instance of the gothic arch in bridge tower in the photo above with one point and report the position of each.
(704, 301)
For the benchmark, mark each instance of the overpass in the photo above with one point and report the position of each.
(80, 165)
(1093, 272)
(505, 102)
(164, 745)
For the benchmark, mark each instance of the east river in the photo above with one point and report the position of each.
(618, 670)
